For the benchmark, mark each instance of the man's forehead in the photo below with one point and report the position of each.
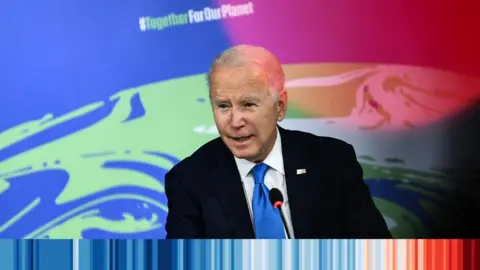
(236, 95)
(236, 77)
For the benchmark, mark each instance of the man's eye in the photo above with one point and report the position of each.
(222, 106)
(250, 104)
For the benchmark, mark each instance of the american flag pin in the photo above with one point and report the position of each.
(301, 171)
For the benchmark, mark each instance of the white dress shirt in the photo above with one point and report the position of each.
(274, 178)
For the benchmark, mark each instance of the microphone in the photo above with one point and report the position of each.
(276, 199)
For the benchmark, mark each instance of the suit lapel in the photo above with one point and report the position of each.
(298, 188)
(231, 195)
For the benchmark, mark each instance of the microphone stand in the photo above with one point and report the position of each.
(284, 222)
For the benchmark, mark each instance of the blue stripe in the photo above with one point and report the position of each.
(139, 248)
(7, 254)
(55, 254)
(279, 256)
(155, 263)
(26, 252)
(131, 255)
(37, 255)
(296, 250)
(147, 255)
(174, 246)
(237, 258)
(109, 250)
(98, 255)
(21, 250)
(17, 255)
(164, 254)
(350, 255)
(84, 247)
(354, 255)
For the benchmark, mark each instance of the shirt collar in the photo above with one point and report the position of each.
(274, 160)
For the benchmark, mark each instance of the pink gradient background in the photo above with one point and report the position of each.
(440, 34)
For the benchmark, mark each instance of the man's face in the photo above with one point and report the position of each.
(245, 111)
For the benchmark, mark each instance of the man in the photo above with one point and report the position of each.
(222, 190)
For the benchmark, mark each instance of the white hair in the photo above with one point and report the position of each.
(247, 55)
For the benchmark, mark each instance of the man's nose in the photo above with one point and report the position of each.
(237, 119)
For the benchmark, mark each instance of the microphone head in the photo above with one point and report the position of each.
(276, 197)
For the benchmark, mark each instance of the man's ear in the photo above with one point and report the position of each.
(282, 104)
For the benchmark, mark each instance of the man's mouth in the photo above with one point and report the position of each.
(241, 139)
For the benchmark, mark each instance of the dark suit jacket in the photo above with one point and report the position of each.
(206, 198)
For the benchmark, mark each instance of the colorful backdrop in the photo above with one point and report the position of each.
(99, 99)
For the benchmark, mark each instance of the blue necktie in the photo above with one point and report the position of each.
(267, 220)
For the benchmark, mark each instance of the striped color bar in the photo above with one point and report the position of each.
(239, 254)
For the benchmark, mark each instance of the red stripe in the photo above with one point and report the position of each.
(472, 254)
(467, 255)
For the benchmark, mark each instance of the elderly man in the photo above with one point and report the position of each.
(222, 190)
